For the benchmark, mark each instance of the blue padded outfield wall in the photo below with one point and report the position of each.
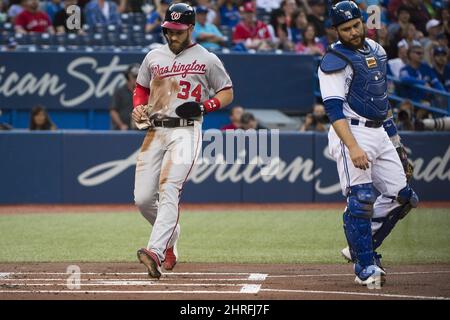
(77, 87)
(98, 167)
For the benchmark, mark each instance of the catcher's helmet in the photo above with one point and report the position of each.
(344, 11)
(179, 16)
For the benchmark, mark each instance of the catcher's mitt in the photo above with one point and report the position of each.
(406, 163)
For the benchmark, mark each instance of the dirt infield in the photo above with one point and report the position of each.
(58, 208)
(218, 281)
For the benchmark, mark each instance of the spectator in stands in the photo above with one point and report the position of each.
(396, 64)
(229, 13)
(3, 12)
(442, 40)
(288, 7)
(251, 32)
(382, 37)
(16, 7)
(82, 3)
(419, 14)
(317, 120)
(235, 117)
(156, 17)
(52, 7)
(310, 44)
(101, 12)
(441, 66)
(421, 114)
(135, 6)
(299, 22)
(405, 116)
(40, 120)
(392, 8)
(444, 16)
(279, 30)
(205, 33)
(31, 19)
(317, 16)
(330, 34)
(122, 101)
(212, 16)
(398, 30)
(5, 126)
(248, 122)
(416, 72)
(60, 21)
(411, 37)
(434, 28)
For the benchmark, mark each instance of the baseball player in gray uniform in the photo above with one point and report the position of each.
(172, 94)
(364, 142)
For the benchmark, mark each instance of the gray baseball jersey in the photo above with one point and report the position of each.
(195, 71)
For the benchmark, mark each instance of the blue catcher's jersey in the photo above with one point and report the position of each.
(361, 79)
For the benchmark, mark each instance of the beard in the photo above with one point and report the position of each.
(353, 46)
(177, 48)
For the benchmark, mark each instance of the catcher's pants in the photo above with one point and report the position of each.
(385, 169)
(166, 158)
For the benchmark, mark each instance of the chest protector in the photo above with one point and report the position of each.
(367, 94)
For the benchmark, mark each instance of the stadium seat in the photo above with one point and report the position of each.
(100, 28)
(139, 19)
(60, 39)
(5, 36)
(141, 40)
(97, 40)
(125, 18)
(228, 34)
(6, 27)
(85, 39)
(73, 39)
(112, 28)
(22, 39)
(111, 39)
(138, 28)
(45, 39)
(124, 40)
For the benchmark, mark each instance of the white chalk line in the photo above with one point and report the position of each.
(132, 279)
(385, 295)
(120, 291)
(352, 274)
(128, 273)
(129, 283)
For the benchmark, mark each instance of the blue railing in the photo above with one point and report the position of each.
(417, 104)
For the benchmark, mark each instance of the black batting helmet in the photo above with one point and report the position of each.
(179, 16)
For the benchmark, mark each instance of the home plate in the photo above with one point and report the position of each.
(251, 288)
